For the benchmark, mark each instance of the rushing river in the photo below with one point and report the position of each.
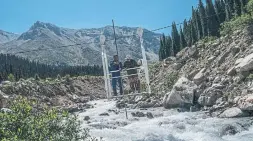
(167, 125)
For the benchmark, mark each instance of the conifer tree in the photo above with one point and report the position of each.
(220, 10)
(161, 50)
(165, 47)
(237, 8)
(202, 14)
(193, 34)
(186, 31)
(212, 19)
(175, 39)
(228, 10)
(183, 43)
(199, 27)
(168, 46)
(231, 6)
(242, 6)
(196, 22)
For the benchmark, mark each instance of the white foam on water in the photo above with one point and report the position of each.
(172, 126)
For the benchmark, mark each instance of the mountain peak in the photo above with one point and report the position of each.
(40, 29)
(7, 36)
(39, 24)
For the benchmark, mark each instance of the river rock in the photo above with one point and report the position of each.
(209, 96)
(232, 113)
(246, 102)
(228, 130)
(138, 114)
(86, 118)
(104, 114)
(145, 104)
(182, 93)
(246, 64)
(194, 109)
(73, 109)
(138, 98)
(121, 104)
(149, 115)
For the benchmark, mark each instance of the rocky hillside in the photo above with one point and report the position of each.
(216, 76)
(7, 36)
(67, 93)
(45, 35)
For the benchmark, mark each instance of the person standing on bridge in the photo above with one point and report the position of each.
(130, 64)
(115, 68)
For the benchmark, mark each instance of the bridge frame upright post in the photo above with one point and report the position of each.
(143, 67)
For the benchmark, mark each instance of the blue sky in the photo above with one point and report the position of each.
(18, 15)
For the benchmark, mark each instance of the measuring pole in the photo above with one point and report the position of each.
(115, 40)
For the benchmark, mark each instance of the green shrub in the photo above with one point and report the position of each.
(250, 7)
(171, 80)
(250, 77)
(11, 78)
(237, 23)
(207, 39)
(24, 123)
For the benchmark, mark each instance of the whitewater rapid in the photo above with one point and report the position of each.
(167, 125)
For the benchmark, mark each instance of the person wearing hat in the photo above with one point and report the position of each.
(116, 67)
(133, 75)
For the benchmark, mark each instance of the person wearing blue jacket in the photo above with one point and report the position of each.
(116, 67)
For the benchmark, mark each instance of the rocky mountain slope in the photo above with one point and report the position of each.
(45, 35)
(214, 76)
(7, 36)
(66, 93)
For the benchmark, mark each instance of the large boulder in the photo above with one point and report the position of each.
(188, 52)
(238, 61)
(182, 94)
(3, 100)
(199, 77)
(209, 96)
(192, 74)
(245, 64)
(231, 71)
(233, 113)
(169, 61)
(223, 57)
(177, 66)
(193, 52)
(235, 50)
(246, 102)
